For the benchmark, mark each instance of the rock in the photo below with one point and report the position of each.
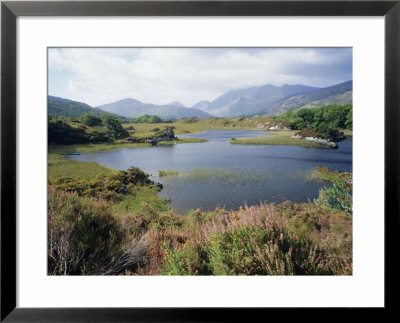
(323, 142)
(122, 190)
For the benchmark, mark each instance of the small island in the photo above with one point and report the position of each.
(307, 127)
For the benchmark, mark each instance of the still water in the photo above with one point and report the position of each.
(218, 174)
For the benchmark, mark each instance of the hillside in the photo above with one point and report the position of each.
(251, 100)
(132, 108)
(69, 108)
(337, 94)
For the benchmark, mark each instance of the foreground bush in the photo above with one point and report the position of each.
(83, 236)
(109, 187)
(286, 239)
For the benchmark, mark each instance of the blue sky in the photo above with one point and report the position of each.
(98, 76)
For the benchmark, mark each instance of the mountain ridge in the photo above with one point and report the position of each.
(336, 94)
(70, 108)
(132, 108)
(265, 100)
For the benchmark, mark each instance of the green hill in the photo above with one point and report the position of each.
(69, 108)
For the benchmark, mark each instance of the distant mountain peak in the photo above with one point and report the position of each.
(176, 104)
(129, 100)
(132, 108)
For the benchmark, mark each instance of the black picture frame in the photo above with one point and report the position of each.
(10, 10)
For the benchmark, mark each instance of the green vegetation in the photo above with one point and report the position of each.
(83, 236)
(110, 187)
(163, 173)
(193, 125)
(283, 239)
(89, 129)
(181, 141)
(74, 109)
(338, 197)
(276, 138)
(335, 116)
(132, 203)
(115, 130)
(59, 166)
(107, 222)
(167, 133)
(321, 123)
(150, 119)
(90, 120)
(62, 133)
(326, 120)
(220, 175)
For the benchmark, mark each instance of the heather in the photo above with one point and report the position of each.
(285, 239)
(83, 236)
(87, 237)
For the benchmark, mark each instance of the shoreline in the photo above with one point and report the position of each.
(284, 138)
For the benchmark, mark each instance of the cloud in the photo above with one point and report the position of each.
(160, 75)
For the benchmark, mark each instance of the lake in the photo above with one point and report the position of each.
(218, 174)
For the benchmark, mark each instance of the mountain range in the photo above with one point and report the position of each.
(338, 94)
(69, 108)
(132, 108)
(266, 100)
(252, 100)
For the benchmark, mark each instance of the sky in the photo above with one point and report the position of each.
(99, 76)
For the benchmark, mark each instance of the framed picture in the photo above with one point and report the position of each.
(80, 79)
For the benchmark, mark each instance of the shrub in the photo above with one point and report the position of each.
(114, 127)
(167, 132)
(90, 120)
(288, 239)
(339, 197)
(61, 133)
(110, 187)
(97, 137)
(83, 236)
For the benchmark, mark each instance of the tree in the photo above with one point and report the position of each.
(90, 120)
(114, 127)
(167, 132)
(61, 133)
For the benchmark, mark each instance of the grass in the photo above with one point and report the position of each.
(187, 126)
(162, 173)
(347, 132)
(277, 138)
(220, 175)
(92, 148)
(182, 141)
(326, 174)
(133, 203)
(59, 166)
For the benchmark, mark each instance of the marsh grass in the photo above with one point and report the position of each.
(162, 173)
(276, 138)
(59, 166)
(182, 141)
(220, 175)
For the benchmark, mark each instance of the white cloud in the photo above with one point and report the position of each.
(159, 75)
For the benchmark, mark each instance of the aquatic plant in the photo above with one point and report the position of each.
(162, 173)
